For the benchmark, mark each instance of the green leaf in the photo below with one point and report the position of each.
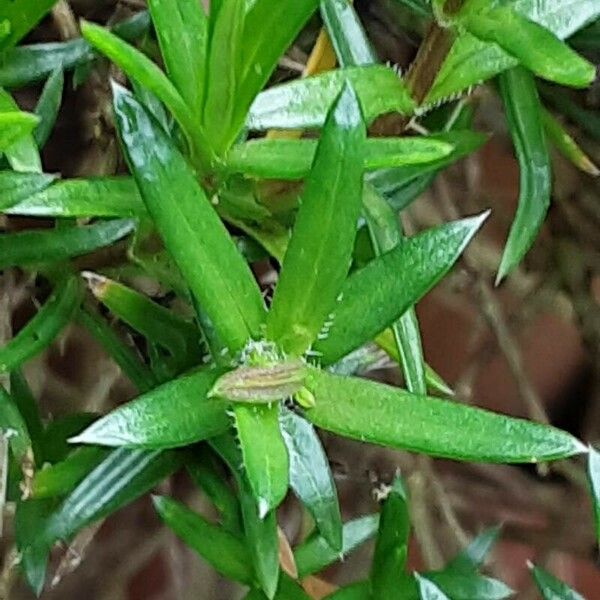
(354, 591)
(472, 61)
(391, 181)
(15, 125)
(181, 28)
(534, 46)
(137, 66)
(127, 360)
(315, 553)
(22, 16)
(292, 159)
(48, 106)
(176, 413)
(551, 588)
(55, 442)
(120, 478)
(346, 33)
(28, 64)
(203, 471)
(44, 246)
(41, 330)
(380, 414)
(472, 557)
(318, 255)
(305, 103)
(264, 454)
(217, 274)
(60, 479)
(16, 139)
(421, 260)
(269, 29)
(159, 325)
(465, 586)
(593, 470)
(223, 551)
(16, 187)
(566, 145)
(288, 589)
(391, 544)
(523, 114)
(29, 410)
(310, 477)
(223, 74)
(261, 533)
(386, 234)
(90, 197)
(13, 426)
(29, 521)
(428, 590)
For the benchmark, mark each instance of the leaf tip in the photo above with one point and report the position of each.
(263, 508)
(96, 283)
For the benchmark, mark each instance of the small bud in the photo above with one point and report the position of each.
(305, 398)
(261, 384)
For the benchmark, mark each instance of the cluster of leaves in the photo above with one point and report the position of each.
(236, 389)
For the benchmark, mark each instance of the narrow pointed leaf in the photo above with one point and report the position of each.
(16, 187)
(347, 35)
(305, 103)
(310, 477)
(61, 478)
(261, 533)
(22, 152)
(523, 114)
(30, 518)
(13, 426)
(120, 478)
(292, 159)
(223, 74)
(137, 66)
(22, 16)
(174, 414)
(125, 357)
(48, 106)
(393, 282)
(157, 324)
(27, 64)
(15, 125)
(222, 550)
(41, 330)
(386, 234)
(93, 197)
(593, 471)
(534, 46)
(472, 61)
(473, 556)
(388, 416)
(319, 252)
(428, 590)
(193, 233)
(182, 27)
(41, 246)
(391, 544)
(261, 50)
(465, 586)
(391, 181)
(264, 454)
(552, 588)
(29, 410)
(203, 471)
(315, 553)
(566, 145)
